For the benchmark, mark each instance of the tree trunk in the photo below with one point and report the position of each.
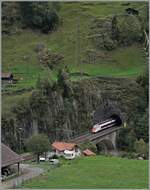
(38, 158)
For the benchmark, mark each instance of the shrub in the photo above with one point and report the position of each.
(38, 144)
(141, 147)
(129, 29)
(39, 15)
(47, 58)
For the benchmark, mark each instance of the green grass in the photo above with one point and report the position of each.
(122, 62)
(108, 8)
(127, 61)
(94, 172)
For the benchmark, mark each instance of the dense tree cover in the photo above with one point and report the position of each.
(38, 144)
(128, 29)
(10, 16)
(138, 126)
(38, 15)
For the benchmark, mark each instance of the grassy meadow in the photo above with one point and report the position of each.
(20, 58)
(93, 172)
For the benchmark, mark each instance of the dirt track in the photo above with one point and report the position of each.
(28, 173)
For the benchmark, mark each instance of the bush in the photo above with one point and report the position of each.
(141, 147)
(52, 60)
(38, 144)
(39, 15)
(10, 16)
(44, 85)
(129, 29)
(109, 44)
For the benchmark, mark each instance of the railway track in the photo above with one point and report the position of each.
(91, 137)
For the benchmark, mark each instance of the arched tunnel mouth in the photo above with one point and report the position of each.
(105, 146)
(118, 121)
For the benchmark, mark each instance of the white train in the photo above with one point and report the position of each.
(103, 125)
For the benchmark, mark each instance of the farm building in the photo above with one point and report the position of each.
(68, 150)
(88, 152)
(8, 77)
(8, 159)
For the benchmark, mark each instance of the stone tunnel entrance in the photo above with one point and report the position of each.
(105, 146)
(108, 110)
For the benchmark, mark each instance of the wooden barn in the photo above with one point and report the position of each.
(8, 158)
(8, 77)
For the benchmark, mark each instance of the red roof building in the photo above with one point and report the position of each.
(88, 152)
(61, 146)
(67, 150)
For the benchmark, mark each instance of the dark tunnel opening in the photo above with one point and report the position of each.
(117, 118)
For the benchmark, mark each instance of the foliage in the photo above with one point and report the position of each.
(38, 103)
(10, 15)
(88, 145)
(63, 82)
(38, 144)
(128, 29)
(8, 136)
(109, 44)
(126, 139)
(144, 17)
(141, 123)
(142, 126)
(22, 108)
(143, 80)
(39, 15)
(141, 147)
(52, 60)
(44, 85)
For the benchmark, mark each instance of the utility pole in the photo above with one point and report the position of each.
(20, 144)
(78, 44)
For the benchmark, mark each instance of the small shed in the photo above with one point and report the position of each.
(88, 152)
(7, 77)
(9, 157)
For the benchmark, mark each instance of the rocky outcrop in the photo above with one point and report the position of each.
(62, 112)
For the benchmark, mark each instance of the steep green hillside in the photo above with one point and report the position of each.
(94, 172)
(96, 39)
(70, 39)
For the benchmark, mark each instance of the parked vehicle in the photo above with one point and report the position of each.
(54, 161)
(69, 155)
(42, 159)
(3, 177)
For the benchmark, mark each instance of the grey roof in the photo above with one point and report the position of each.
(8, 156)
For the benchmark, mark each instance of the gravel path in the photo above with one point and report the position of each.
(28, 173)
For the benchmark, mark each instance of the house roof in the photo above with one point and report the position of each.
(88, 152)
(61, 146)
(6, 75)
(8, 156)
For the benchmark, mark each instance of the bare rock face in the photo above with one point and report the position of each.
(62, 116)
